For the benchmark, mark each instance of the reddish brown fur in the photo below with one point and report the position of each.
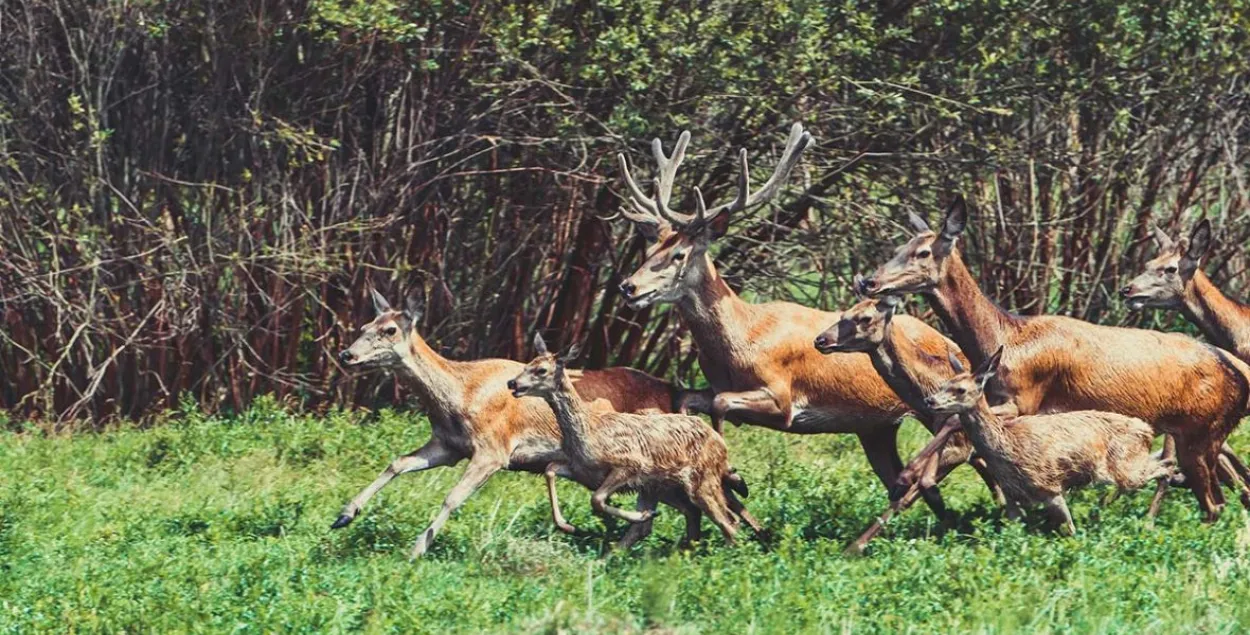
(473, 416)
(1057, 364)
(758, 357)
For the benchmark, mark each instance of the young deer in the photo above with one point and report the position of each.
(646, 452)
(1173, 281)
(1184, 388)
(759, 357)
(473, 416)
(1037, 458)
(913, 374)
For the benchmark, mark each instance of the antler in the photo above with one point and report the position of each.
(655, 211)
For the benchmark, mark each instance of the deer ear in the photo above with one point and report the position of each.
(917, 223)
(953, 226)
(990, 367)
(1162, 238)
(956, 365)
(571, 354)
(414, 308)
(1199, 242)
(540, 346)
(857, 286)
(380, 305)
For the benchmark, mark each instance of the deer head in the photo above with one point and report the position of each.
(384, 341)
(678, 239)
(962, 392)
(544, 374)
(860, 328)
(1163, 283)
(918, 265)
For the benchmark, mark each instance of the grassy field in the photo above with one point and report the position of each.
(221, 524)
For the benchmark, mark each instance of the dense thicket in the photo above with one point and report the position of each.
(194, 194)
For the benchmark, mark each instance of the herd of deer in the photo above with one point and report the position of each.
(1054, 402)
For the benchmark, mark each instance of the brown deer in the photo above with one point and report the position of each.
(646, 452)
(759, 357)
(1037, 458)
(1184, 388)
(913, 374)
(1173, 280)
(473, 416)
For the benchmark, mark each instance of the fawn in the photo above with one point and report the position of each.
(646, 452)
(1037, 457)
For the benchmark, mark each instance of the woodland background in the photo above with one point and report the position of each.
(194, 194)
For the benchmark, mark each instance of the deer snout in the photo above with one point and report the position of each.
(930, 401)
(822, 342)
(347, 356)
(512, 385)
(1126, 291)
(867, 284)
(628, 289)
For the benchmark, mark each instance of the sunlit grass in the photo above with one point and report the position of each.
(208, 524)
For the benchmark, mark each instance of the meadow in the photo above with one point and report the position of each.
(220, 524)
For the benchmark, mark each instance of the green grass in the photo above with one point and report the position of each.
(221, 524)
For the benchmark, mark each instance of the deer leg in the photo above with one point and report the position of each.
(758, 406)
(897, 506)
(1169, 454)
(740, 511)
(1057, 508)
(881, 448)
(710, 497)
(480, 469)
(647, 500)
(554, 470)
(1230, 476)
(616, 479)
(1194, 463)
(928, 456)
(432, 454)
(1238, 466)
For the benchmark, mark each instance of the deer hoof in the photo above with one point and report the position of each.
(418, 549)
(342, 521)
(567, 528)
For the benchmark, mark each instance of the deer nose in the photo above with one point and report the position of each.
(511, 384)
(628, 288)
(867, 284)
(346, 357)
(930, 402)
(1126, 291)
(822, 341)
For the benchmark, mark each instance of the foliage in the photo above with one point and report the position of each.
(194, 194)
(221, 524)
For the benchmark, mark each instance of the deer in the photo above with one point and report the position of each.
(1192, 391)
(758, 358)
(1037, 458)
(637, 451)
(1174, 280)
(913, 374)
(473, 415)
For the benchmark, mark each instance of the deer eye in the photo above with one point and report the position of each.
(679, 256)
(1170, 269)
(389, 331)
(540, 372)
(863, 319)
(924, 253)
(960, 391)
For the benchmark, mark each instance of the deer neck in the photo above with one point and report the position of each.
(574, 421)
(715, 316)
(898, 362)
(977, 324)
(431, 376)
(985, 430)
(1223, 320)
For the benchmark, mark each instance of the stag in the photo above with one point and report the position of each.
(758, 357)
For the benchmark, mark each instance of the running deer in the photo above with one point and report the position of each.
(1037, 458)
(645, 452)
(1173, 281)
(913, 374)
(1192, 391)
(759, 357)
(473, 416)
